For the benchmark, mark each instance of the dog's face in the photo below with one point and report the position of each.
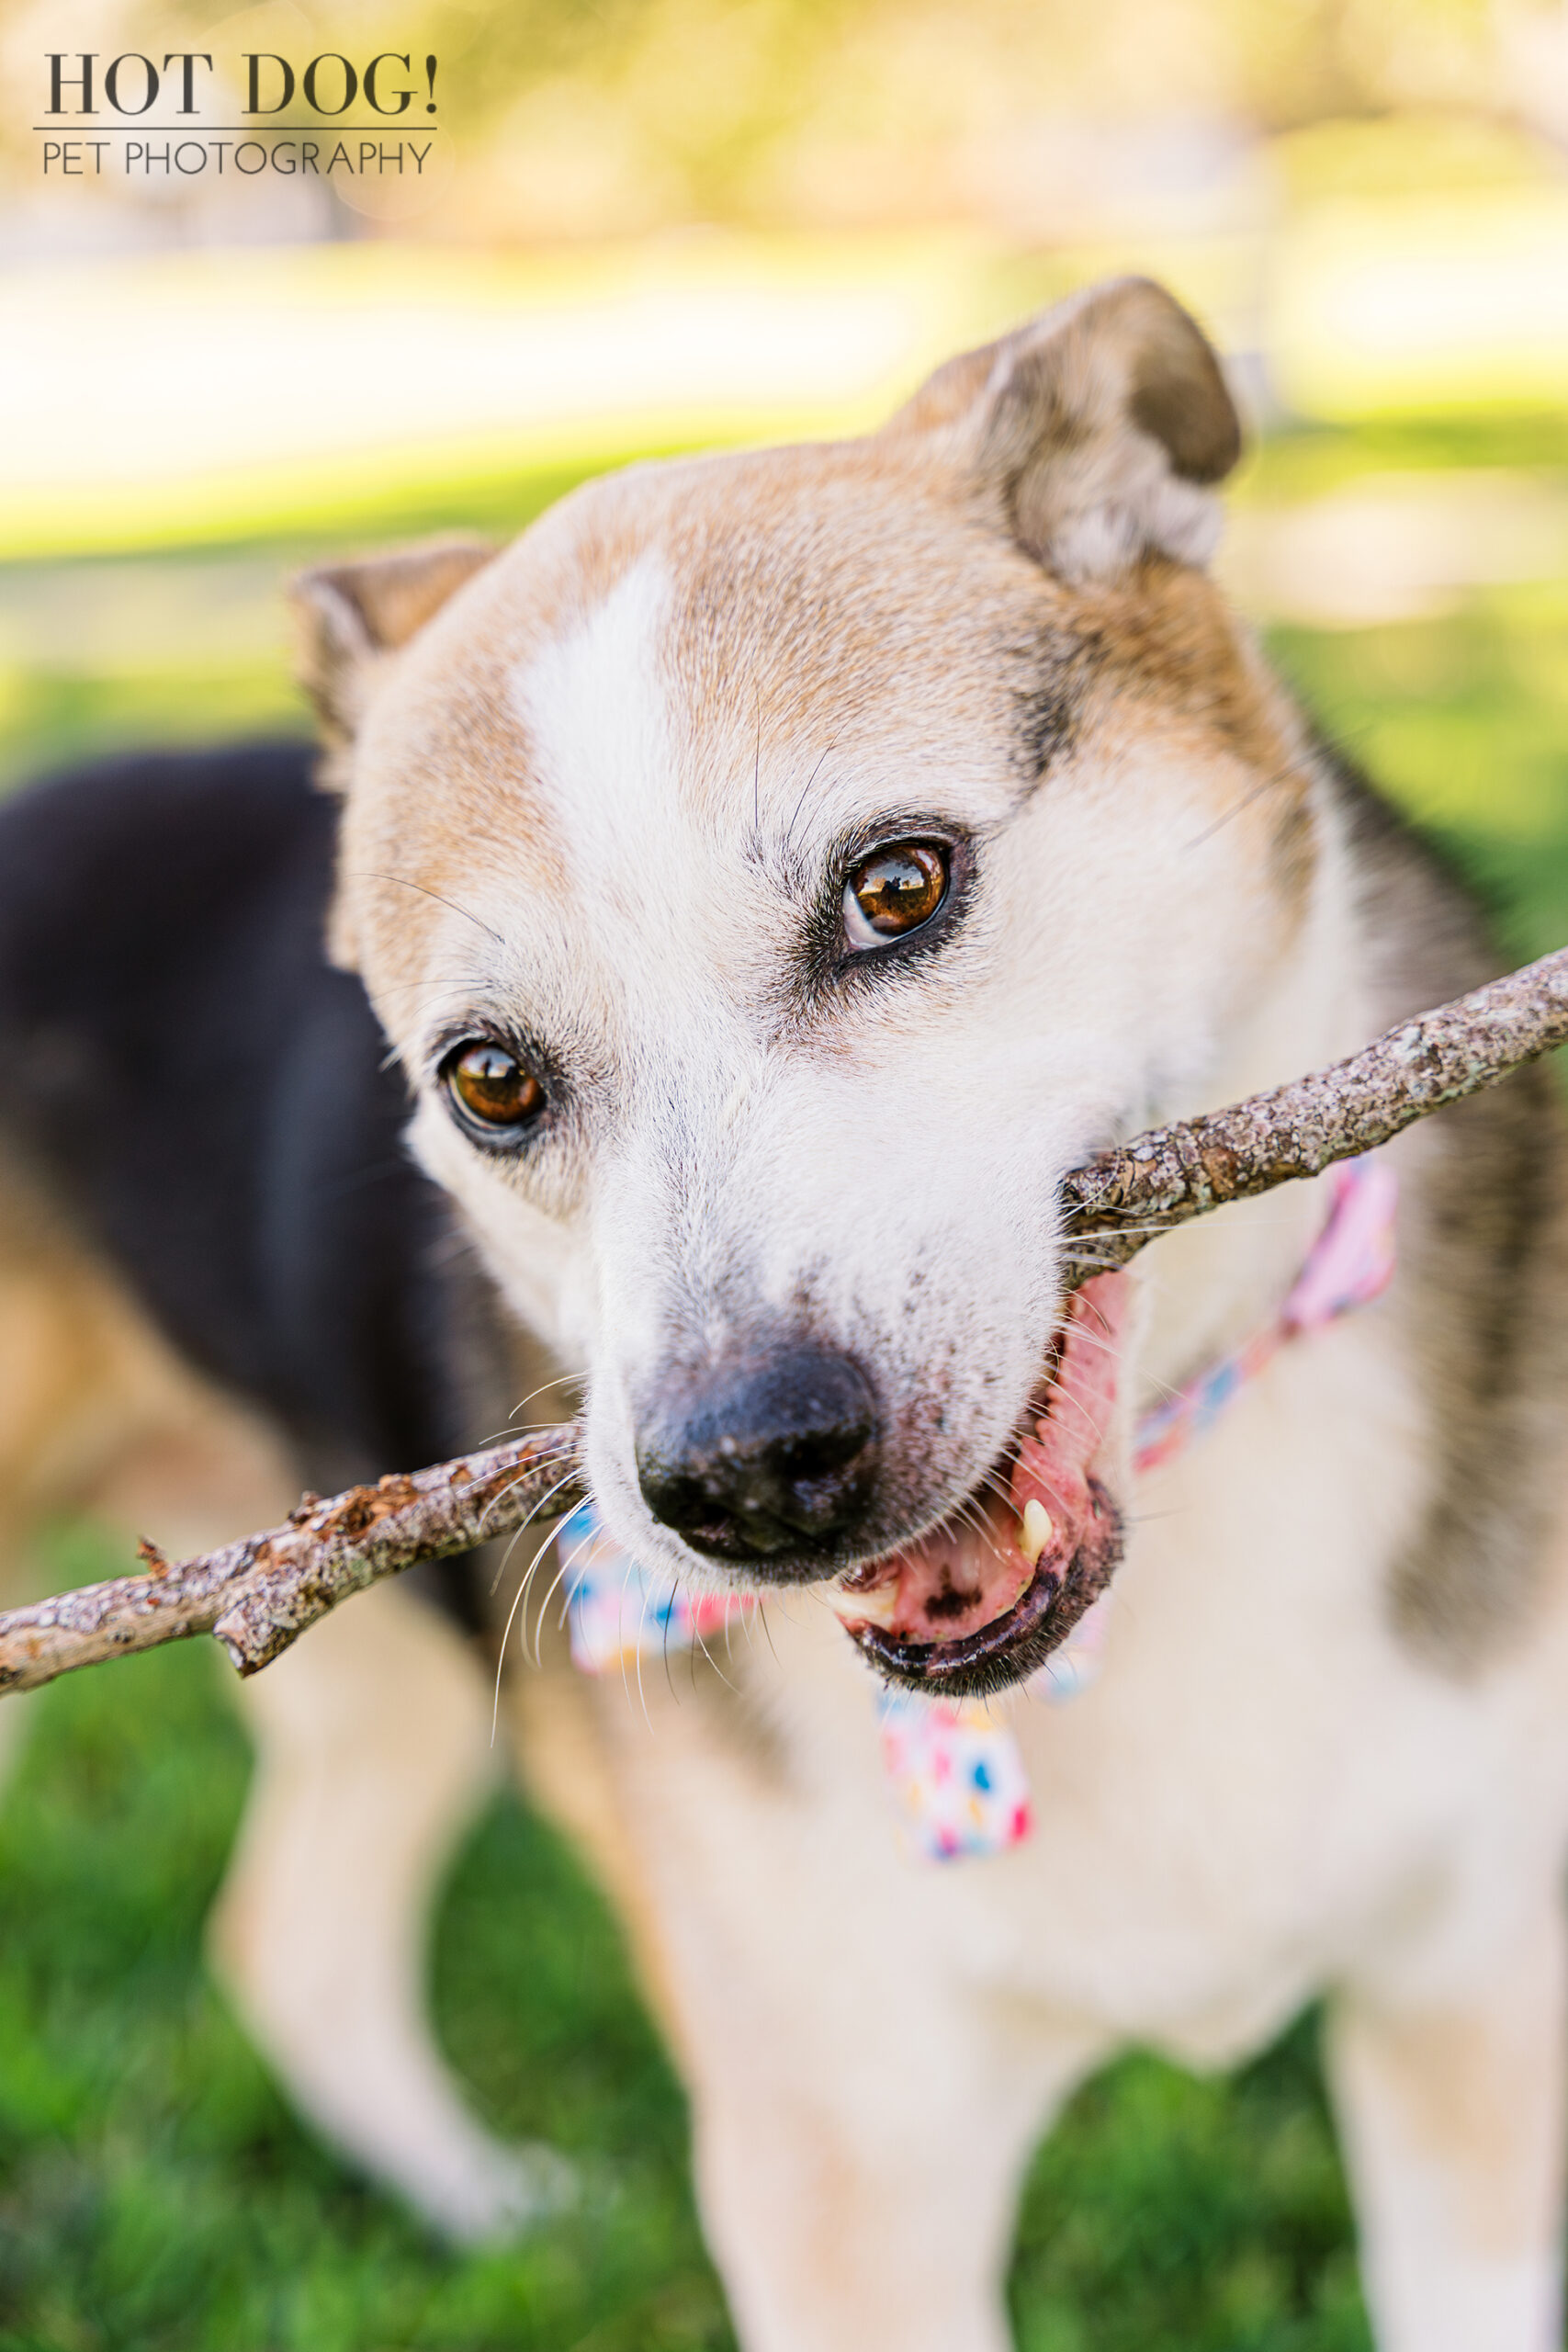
(775, 871)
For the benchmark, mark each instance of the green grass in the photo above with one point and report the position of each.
(1464, 721)
(155, 2195)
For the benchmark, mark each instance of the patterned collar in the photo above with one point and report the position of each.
(1351, 1262)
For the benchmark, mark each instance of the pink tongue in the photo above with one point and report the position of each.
(1053, 1465)
(955, 1582)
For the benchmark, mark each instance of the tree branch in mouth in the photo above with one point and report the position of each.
(257, 1596)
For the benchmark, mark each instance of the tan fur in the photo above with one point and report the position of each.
(359, 611)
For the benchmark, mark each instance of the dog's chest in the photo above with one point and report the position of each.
(1259, 1790)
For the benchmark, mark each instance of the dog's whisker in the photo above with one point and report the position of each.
(794, 812)
(573, 1454)
(1102, 1339)
(500, 1665)
(563, 1580)
(429, 981)
(700, 1643)
(401, 882)
(515, 1538)
(553, 1537)
(1059, 1389)
(1265, 784)
(1056, 1498)
(757, 772)
(975, 1521)
(522, 1529)
(525, 1587)
(511, 1431)
(1081, 1252)
(997, 1484)
(574, 1473)
(506, 1630)
(641, 1622)
(559, 1380)
(969, 1512)
(664, 1652)
(550, 1591)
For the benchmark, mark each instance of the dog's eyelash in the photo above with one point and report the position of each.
(534, 1056)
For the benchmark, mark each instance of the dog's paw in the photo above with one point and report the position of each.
(499, 2192)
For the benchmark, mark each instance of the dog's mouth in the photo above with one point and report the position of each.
(980, 1604)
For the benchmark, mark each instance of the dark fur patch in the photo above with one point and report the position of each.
(1483, 1274)
(1054, 676)
(1179, 398)
(208, 1099)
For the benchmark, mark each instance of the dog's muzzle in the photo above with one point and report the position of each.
(751, 1462)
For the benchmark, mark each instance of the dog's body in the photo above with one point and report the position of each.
(636, 814)
(222, 1280)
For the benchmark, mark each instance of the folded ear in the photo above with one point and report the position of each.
(1099, 427)
(350, 616)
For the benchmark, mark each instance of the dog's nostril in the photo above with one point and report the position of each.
(764, 1459)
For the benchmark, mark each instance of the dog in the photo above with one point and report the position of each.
(773, 872)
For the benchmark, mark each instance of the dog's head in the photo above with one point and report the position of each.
(775, 871)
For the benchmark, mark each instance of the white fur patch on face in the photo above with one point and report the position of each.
(595, 710)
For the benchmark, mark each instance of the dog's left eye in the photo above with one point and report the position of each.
(494, 1095)
(893, 891)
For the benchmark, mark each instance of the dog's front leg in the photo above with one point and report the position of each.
(1452, 2116)
(864, 2102)
(865, 2201)
(373, 1758)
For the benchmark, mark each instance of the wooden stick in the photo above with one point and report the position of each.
(259, 1594)
(1125, 1198)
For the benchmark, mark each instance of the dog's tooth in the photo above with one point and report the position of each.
(1036, 1530)
(877, 1607)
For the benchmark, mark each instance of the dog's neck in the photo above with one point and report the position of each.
(1213, 1282)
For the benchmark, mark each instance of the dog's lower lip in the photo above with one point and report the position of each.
(933, 1663)
(1010, 1648)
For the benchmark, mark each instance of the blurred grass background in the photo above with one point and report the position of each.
(666, 223)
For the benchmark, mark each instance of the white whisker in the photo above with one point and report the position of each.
(501, 1492)
(506, 1633)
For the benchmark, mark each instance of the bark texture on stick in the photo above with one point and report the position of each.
(1125, 1198)
(259, 1594)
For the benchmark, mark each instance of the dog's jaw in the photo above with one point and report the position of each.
(980, 1602)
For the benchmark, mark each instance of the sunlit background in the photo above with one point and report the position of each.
(645, 225)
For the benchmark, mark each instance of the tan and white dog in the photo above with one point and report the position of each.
(774, 871)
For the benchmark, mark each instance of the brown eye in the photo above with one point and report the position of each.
(491, 1089)
(893, 891)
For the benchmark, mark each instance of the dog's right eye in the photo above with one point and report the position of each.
(493, 1095)
(895, 891)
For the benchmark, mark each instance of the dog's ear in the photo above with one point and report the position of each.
(1101, 427)
(350, 616)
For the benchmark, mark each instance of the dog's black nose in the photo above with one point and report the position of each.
(772, 1457)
